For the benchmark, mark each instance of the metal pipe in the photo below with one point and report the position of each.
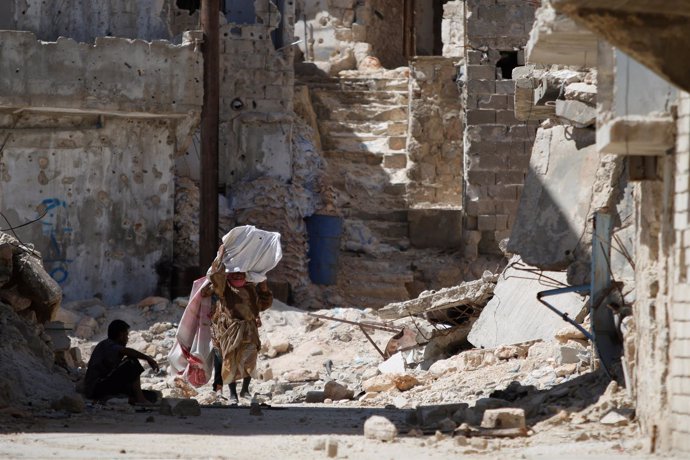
(583, 288)
(208, 206)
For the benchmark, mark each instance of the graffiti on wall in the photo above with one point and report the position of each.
(56, 227)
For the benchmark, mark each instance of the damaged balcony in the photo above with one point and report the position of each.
(654, 33)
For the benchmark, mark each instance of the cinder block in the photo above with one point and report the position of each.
(481, 86)
(481, 117)
(486, 223)
(481, 72)
(475, 57)
(480, 206)
(494, 101)
(481, 177)
(505, 87)
(501, 223)
(510, 177)
(506, 117)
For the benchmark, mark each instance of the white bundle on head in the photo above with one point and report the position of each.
(251, 250)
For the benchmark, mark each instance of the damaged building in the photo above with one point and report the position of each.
(451, 164)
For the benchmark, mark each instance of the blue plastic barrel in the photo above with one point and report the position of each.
(324, 246)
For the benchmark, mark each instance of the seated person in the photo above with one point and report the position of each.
(114, 369)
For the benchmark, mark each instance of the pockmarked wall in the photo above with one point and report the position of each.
(88, 134)
(84, 21)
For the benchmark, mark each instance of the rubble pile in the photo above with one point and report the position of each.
(28, 299)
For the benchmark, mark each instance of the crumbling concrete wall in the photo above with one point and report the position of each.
(89, 134)
(338, 34)
(497, 145)
(85, 21)
(453, 29)
(257, 85)
(679, 289)
(435, 137)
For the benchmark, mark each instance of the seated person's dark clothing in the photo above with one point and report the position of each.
(108, 373)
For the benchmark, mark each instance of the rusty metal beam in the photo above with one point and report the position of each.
(208, 207)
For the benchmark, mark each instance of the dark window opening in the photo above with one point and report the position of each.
(193, 5)
(240, 11)
(279, 32)
(505, 65)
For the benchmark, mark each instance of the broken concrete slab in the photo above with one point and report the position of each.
(472, 294)
(514, 315)
(637, 135)
(556, 198)
(583, 92)
(576, 113)
(557, 39)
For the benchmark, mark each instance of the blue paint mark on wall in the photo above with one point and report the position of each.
(56, 228)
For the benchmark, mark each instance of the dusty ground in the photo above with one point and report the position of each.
(285, 432)
(565, 403)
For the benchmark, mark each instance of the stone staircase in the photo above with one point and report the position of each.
(363, 126)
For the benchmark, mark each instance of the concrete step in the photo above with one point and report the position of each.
(350, 142)
(370, 113)
(357, 157)
(331, 97)
(358, 84)
(380, 128)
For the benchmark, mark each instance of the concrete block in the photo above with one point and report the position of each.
(480, 117)
(435, 228)
(481, 177)
(486, 222)
(509, 317)
(504, 418)
(556, 197)
(481, 72)
(481, 87)
(576, 113)
(494, 101)
(506, 117)
(637, 135)
(505, 87)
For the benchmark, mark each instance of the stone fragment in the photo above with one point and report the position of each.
(510, 352)
(68, 316)
(151, 301)
(69, 403)
(331, 448)
(614, 418)
(404, 382)
(380, 428)
(58, 338)
(15, 300)
(335, 391)
(379, 383)
(582, 92)
(315, 397)
(6, 253)
(301, 375)
(86, 328)
(504, 418)
(569, 332)
(180, 407)
(576, 113)
(36, 284)
(393, 365)
(637, 135)
(446, 425)
(255, 409)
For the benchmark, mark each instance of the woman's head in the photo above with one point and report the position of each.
(237, 279)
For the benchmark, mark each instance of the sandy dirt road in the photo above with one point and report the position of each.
(295, 432)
